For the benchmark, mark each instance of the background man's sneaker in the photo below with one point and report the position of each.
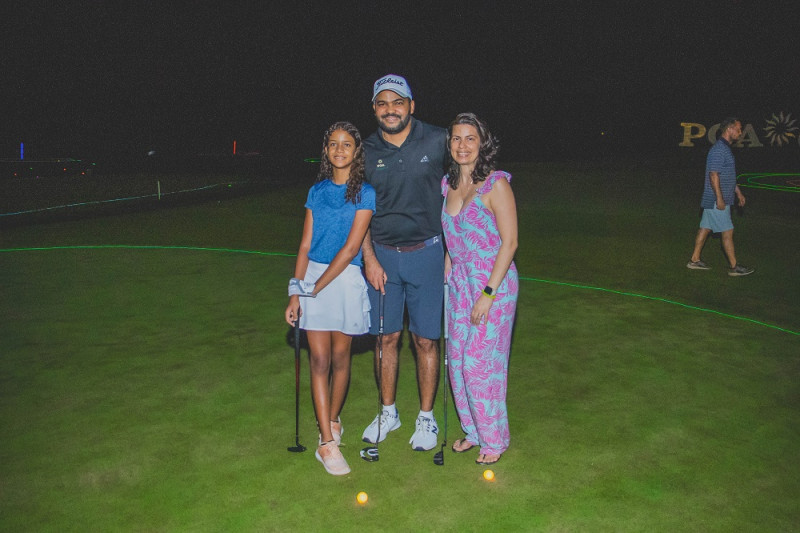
(740, 270)
(697, 265)
(388, 423)
(426, 435)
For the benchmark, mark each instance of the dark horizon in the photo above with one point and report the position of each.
(96, 81)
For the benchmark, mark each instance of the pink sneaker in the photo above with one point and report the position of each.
(332, 459)
(337, 430)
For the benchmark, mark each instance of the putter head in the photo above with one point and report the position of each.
(370, 454)
(297, 449)
(438, 458)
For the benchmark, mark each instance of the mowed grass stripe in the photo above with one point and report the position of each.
(155, 391)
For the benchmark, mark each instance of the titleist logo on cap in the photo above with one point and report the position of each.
(394, 83)
(397, 81)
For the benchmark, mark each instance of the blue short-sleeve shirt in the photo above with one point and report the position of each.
(720, 160)
(333, 217)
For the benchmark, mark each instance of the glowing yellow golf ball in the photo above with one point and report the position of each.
(362, 497)
(488, 475)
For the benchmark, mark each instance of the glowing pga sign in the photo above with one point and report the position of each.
(779, 130)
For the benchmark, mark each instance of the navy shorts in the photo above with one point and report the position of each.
(414, 279)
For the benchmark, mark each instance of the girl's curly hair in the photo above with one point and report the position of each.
(486, 163)
(356, 178)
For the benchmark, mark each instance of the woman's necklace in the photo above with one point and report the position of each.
(470, 190)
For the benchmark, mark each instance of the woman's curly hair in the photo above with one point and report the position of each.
(356, 178)
(486, 163)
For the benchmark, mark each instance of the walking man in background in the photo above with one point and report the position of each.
(718, 197)
(403, 252)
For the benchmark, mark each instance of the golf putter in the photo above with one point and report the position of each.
(438, 457)
(297, 446)
(370, 453)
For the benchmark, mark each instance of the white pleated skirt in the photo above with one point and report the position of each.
(341, 306)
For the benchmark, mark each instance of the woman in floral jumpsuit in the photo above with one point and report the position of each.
(479, 219)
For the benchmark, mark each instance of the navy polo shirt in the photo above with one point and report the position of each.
(407, 181)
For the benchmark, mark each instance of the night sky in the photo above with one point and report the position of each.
(106, 79)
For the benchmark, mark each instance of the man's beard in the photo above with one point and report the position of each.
(396, 129)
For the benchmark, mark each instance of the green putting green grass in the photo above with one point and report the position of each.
(148, 376)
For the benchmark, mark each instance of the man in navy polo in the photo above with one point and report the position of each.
(718, 196)
(403, 252)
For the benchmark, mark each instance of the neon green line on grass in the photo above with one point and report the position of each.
(279, 254)
(94, 202)
(146, 247)
(752, 180)
(645, 297)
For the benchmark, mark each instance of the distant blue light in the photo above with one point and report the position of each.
(21, 151)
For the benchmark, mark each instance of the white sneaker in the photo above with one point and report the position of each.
(426, 435)
(332, 459)
(388, 423)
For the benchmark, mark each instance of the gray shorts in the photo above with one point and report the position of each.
(414, 279)
(717, 220)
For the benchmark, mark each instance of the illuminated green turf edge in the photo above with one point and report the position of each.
(279, 254)
(751, 181)
(158, 195)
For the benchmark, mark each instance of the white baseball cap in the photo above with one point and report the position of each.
(394, 83)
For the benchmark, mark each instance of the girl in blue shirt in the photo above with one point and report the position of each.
(328, 294)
